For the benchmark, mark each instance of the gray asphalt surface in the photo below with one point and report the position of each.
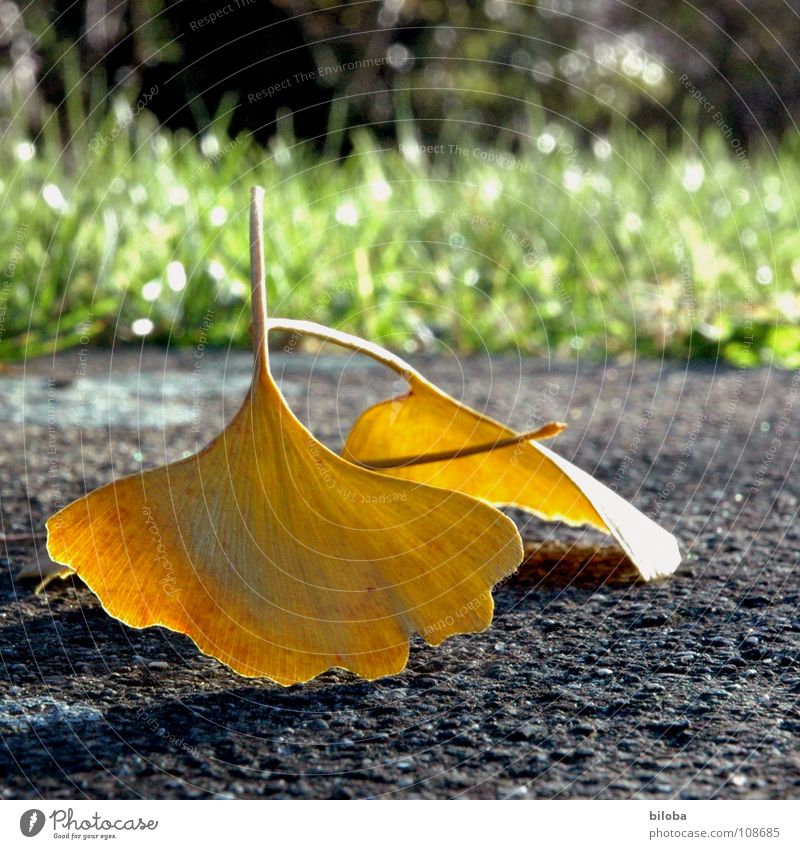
(582, 688)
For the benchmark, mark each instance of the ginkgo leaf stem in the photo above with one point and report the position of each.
(547, 431)
(257, 279)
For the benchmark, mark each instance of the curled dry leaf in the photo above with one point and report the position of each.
(277, 556)
(429, 437)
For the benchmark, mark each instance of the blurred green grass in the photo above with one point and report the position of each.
(132, 232)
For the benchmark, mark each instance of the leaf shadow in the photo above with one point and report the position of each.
(549, 563)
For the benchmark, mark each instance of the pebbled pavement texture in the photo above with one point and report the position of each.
(583, 687)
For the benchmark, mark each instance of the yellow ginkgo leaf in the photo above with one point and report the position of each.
(277, 556)
(429, 437)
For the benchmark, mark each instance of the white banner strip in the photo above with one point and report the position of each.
(384, 825)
